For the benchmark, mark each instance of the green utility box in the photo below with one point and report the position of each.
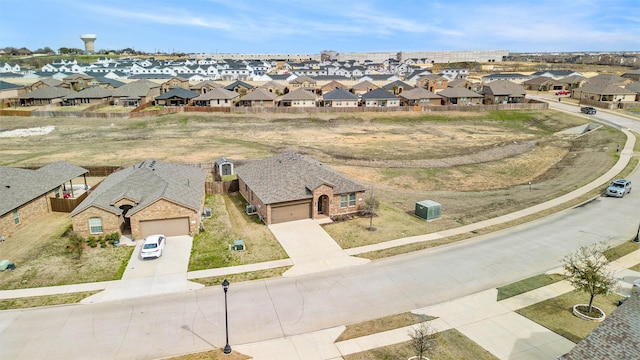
(238, 245)
(6, 265)
(428, 209)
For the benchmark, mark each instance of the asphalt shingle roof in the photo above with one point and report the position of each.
(19, 186)
(178, 92)
(291, 176)
(145, 183)
(339, 94)
(616, 338)
(378, 94)
(218, 93)
(49, 92)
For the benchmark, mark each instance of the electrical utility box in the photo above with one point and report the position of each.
(428, 209)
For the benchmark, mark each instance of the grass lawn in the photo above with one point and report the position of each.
(229, 222)
(529, 284)
(383, 324)
(621, 250)
(36, 301)
(556, 314)
(247, 276)
(452, 345)
(216, 354)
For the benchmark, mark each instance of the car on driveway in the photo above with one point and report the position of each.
(153, 246)
(619, 188)
(588, 110)
(563, 92)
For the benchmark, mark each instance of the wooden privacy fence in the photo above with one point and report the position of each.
(67, 205)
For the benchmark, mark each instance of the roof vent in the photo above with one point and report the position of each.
(8, 186)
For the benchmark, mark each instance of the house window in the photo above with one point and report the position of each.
(343, 201)
(56, 192)
(95, 225)
(352, 199)
(16, 217)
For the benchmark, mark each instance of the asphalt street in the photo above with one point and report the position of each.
(161, 326)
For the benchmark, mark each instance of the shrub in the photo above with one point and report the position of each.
(102, 241)
(91, 240)
(76, 245)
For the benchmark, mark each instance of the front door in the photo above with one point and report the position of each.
(323, 203)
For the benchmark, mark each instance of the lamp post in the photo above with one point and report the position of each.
(225, 287)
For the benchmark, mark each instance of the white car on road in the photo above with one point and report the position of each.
(153, 246)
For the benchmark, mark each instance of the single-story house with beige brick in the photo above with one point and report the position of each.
(27, 194)
(151, 197)
(291, 186)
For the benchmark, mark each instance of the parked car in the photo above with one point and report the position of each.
(619, 188)
(588, 110)
(563, 92)
(153, 246)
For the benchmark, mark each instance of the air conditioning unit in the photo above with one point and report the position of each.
(251, 209)
(207, 213)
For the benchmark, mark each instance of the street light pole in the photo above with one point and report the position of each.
(225, 287)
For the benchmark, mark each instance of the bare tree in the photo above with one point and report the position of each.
(588, 271)
(423, 339)
(371, 204)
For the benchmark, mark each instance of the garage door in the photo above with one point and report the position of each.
(168, 227)
(290, 212)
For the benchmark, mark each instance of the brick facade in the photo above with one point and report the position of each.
(111, 223)
(163, 209)
(27, 213)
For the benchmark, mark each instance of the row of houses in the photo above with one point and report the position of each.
(158, 197)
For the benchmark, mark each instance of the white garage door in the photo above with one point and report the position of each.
(168, 227)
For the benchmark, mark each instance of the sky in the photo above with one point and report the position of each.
(309, 27)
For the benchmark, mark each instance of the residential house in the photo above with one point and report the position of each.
(298, 98)
(303, 82)
(9, 93)
(363, 87)
(44, 96)
(380, 98)
(603, 91)
(433, 82)
(572, 82)
(397, 87)
(275, 87)
(463, 83)
(339, 98)
(503, 92)
(240, 87)
(205, 86)
(150, 197)
(332, 85)
(460, 96)
(136, 93)
(258, 98)
(291, 186)
(26, 194)
(90, 95)
(217, 97)
(513, 77)
(77, 82)
(419, 97)
(176, 97)
(174, 82)
(543, 83)
(633, 75)
(556, 74)
(45, 82)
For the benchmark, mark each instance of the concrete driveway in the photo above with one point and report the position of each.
(165, 274)
(310, 248)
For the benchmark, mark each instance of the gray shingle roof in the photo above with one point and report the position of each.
(300, 94)
(419, 93)
(458, 92)
(178, 92)
(339, 94)
(49, 92)
(137, 89)
(147, 182)
(378, 94)
(94, 92)
(259, 94)
(291, 176)
(616, 338)
(505, 87)
(19, 186)
(218, 93)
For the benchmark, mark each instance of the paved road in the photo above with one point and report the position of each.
(155, 327)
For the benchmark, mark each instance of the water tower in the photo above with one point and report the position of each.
(89, 40)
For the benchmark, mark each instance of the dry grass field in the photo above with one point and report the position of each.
(477, 165)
